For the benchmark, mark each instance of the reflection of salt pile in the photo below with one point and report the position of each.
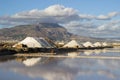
(104, 50)
(72, 54)
(97, 51)
(31, 61)
(88, 52)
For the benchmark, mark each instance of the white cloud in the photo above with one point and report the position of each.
(110, 26)
(87, 28)
(102, 27)
(112, 14)
(86, 16)
(35, 13)
(99, 17)
(59, 10)
(109, 16)
(103, 17)
(53, 14)
(72, 19)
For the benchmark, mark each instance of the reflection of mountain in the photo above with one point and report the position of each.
(71, 69)
(65, 69)
(95, 68)
(49, 71)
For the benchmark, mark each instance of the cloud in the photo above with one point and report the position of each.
(109, 16)
(112, 14)
(87, 17)
(112, 25)
(53, 11)
(99, 17)
(91, 29)
(81, 28)
(52, 14)
(103, 17)
(59, 10)
(72, 19)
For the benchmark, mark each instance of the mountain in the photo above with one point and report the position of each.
(48, 30)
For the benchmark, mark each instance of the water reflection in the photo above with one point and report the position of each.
(48, 68)
(88, 52)
(73, 54)
(6, 58)
(94, 52)
(31, 61)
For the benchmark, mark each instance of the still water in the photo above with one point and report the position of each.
(63, 68)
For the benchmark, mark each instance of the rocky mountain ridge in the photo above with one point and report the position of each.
(48, 30)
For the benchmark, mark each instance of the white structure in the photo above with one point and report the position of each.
(34, 42)
(60, 44)
(72, 44)
(88, 44)
(104, 44)
(97, 44)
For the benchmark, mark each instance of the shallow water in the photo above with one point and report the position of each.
(63, 68)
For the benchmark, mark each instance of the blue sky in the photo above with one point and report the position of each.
(85, 6)
(95, 18)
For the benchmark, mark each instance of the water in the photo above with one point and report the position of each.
(62, 68)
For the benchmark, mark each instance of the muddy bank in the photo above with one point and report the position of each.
(7, 49)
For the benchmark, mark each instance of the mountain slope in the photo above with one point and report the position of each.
(48, 30)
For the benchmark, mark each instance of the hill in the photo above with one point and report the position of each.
(51, 31)
(48, 30)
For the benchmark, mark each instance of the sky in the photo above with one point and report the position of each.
(93, 18)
